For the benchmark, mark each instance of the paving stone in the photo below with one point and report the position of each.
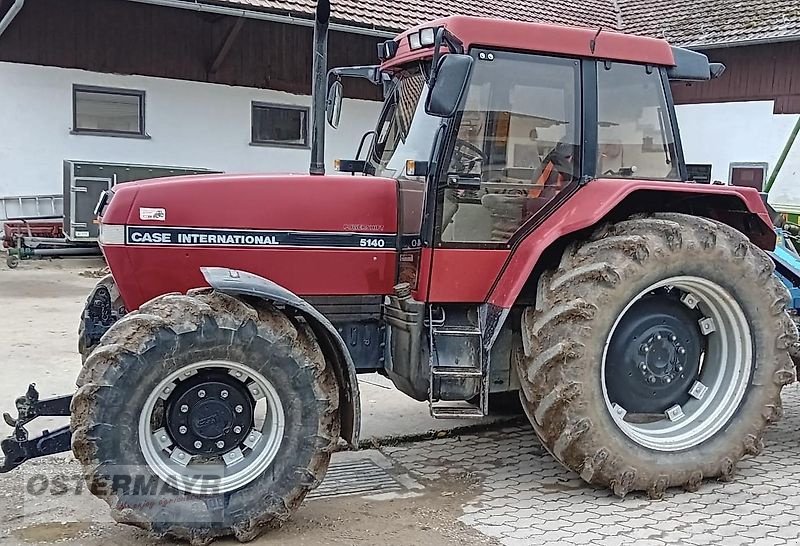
(527, 499)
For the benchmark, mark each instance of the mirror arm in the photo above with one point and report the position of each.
(363, 140)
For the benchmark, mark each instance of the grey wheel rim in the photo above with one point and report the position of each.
(238, 467)
(723, 378)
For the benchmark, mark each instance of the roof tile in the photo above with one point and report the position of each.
(684, 22)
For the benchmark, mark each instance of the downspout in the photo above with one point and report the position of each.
(319, 74)
(12, 13)
(784, 154)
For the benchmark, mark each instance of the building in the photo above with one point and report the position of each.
(224, 85)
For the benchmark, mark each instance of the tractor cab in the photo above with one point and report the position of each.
(488, 127)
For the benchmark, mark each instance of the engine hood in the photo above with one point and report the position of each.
(288, 202)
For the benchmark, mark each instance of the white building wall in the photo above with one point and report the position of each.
(191, 124)
(724, 133)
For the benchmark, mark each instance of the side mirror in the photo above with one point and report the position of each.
(333, 104)
(448, 83)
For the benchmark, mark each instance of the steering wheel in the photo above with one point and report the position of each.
(466, 155)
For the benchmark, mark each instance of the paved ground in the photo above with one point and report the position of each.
(527, 498)
(495, 486)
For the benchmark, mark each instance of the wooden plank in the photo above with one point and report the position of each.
(226, 45)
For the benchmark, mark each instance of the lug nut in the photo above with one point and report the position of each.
(166, 390)
(668, 380)
(679, 368)
(651, 379)
(220, 444)
(198, 444)
(237, 429)
(673, 338)
(184, 408)
(255, 391)
(681, 350)
(646, 349)
(224, 394)
(201, 393)
(239, 409)
(658, 337)
(182, 430)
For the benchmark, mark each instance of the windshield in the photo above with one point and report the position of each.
(404, 131)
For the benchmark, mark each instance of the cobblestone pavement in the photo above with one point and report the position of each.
(528, 498)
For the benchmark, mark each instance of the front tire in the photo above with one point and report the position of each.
(166, 419)
(597, 326)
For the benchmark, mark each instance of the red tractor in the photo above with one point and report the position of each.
(521, 221)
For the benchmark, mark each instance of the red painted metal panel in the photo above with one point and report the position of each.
(586, 208)
(144, 272)
(464, 275)
(315, 204)
(556, 39)
(300, 202)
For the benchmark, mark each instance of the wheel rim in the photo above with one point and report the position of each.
(211, 427)
(701, 397)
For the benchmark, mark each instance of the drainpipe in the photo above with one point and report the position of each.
(319, 86)
(12, 12)
(782, 158)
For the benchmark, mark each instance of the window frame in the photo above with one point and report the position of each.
(273, 143)
(682, 172)
(585, 113)
(140, 94)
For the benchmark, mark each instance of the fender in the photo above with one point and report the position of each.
(233, 281)
(601, 199)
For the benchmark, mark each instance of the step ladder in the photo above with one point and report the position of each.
(457, 363)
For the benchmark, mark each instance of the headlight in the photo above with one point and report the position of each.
(111, 234)
(425, 37)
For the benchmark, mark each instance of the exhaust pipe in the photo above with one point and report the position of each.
(319, 87)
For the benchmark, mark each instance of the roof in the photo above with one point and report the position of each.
(712, 22)
(571, 41)
(683, 22)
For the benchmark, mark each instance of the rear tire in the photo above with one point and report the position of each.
(122, 430)
(566, 391)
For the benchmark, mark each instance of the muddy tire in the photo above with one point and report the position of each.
(181, 373)
(794, 350)
(85, 348)
(583, 355)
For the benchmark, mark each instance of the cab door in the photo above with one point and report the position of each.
(516, 147)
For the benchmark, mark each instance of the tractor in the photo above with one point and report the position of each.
(521, 221)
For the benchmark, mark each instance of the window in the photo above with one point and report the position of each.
(751, 175)
(635, 128)
(279, 125)
(113, 112)
(518, 145)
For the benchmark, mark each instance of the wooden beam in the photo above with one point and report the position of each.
(226, 45)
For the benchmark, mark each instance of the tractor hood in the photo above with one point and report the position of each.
(281, 201)
(315, 235)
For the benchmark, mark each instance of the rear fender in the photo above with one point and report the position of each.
(232, 281)
(604, 200)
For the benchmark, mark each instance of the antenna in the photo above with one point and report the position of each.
(593, 41)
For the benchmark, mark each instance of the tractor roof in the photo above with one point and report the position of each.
(541, 38)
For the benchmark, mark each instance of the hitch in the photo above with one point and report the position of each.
(18, 448)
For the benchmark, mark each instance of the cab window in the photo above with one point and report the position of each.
(635, 137)
(517, 145)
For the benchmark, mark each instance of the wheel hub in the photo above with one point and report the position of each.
(654, 355)
(210, 414)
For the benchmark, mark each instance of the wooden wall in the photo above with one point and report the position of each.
(132, 38)
(759, 72)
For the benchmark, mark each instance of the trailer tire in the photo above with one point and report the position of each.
(196, 339)
(570, 333)
(12, 261)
